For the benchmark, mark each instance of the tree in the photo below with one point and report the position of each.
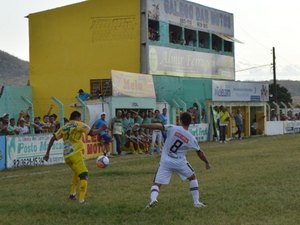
(283, 95)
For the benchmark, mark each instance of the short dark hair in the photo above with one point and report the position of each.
(75, 115)
(186, 118)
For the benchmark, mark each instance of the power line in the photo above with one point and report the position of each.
(254, 67)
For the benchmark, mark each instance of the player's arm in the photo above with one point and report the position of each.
(94, 132)
(46, 156)
(153, 126)
(202, 156)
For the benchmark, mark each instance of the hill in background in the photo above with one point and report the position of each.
(13, 71)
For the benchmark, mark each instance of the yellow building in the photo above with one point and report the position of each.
(72, 45)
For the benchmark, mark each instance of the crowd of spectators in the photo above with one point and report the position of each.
(153, 34)
(198, 116)
(140, 140)
(22, 125)
(290, 115)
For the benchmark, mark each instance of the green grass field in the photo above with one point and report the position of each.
(254, 181)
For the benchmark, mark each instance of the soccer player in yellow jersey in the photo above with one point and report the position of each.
(71, 133)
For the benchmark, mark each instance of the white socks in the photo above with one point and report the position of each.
(194, 188)
(154, 193)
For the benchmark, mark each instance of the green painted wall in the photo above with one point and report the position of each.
(189, 90)
(11, 101)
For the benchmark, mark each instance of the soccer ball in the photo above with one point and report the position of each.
(102, 161)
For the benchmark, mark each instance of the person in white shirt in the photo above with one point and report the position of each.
(23, 128)
(179, 141)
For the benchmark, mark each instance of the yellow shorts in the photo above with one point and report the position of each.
(76, 163)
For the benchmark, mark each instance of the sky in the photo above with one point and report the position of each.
(260, 24)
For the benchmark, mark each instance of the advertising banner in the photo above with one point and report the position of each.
(178, 62)
(192, 15)
(28, 150)
(132, 84)
(200, 131)
(94, 146)
(239, 91)
(2, 152)
(290, 127)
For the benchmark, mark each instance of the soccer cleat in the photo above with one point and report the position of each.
(84, 202)
(151, 205)
(72, 197)
(199, 205)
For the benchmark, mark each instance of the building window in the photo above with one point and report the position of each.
(175, 34)
(228, 46)
(216, 43)
(153, 30)
(190, 37)
(101, 87)
(203, 39)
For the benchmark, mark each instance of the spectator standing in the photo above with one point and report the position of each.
(117, 130)
(5, 123)
(38, 126)
(224, 121)
(136, 117)
(12, 127)
(156, 133)
(239, 123)
(23, 128)
(127, 125)
(46, 124)
(2, 131)
(195, 113)
(164, 118)
(101, 123)
(53, 123)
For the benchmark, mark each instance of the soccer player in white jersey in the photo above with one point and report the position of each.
(179, 141)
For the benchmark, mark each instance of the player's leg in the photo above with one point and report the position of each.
(194, 189)
(74, 184)
(162, 176)
(185, 171)
(107, 139)
(154, 192)
(83, 186)
(78, 166)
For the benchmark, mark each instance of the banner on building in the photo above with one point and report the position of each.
(132, 84)
(179, 62)
(240, 91)
(188, 14)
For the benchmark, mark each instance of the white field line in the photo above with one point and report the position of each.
(123, 160)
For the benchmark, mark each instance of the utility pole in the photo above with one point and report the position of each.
(274, 76)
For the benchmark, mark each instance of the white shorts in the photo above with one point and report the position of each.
(166, 168)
